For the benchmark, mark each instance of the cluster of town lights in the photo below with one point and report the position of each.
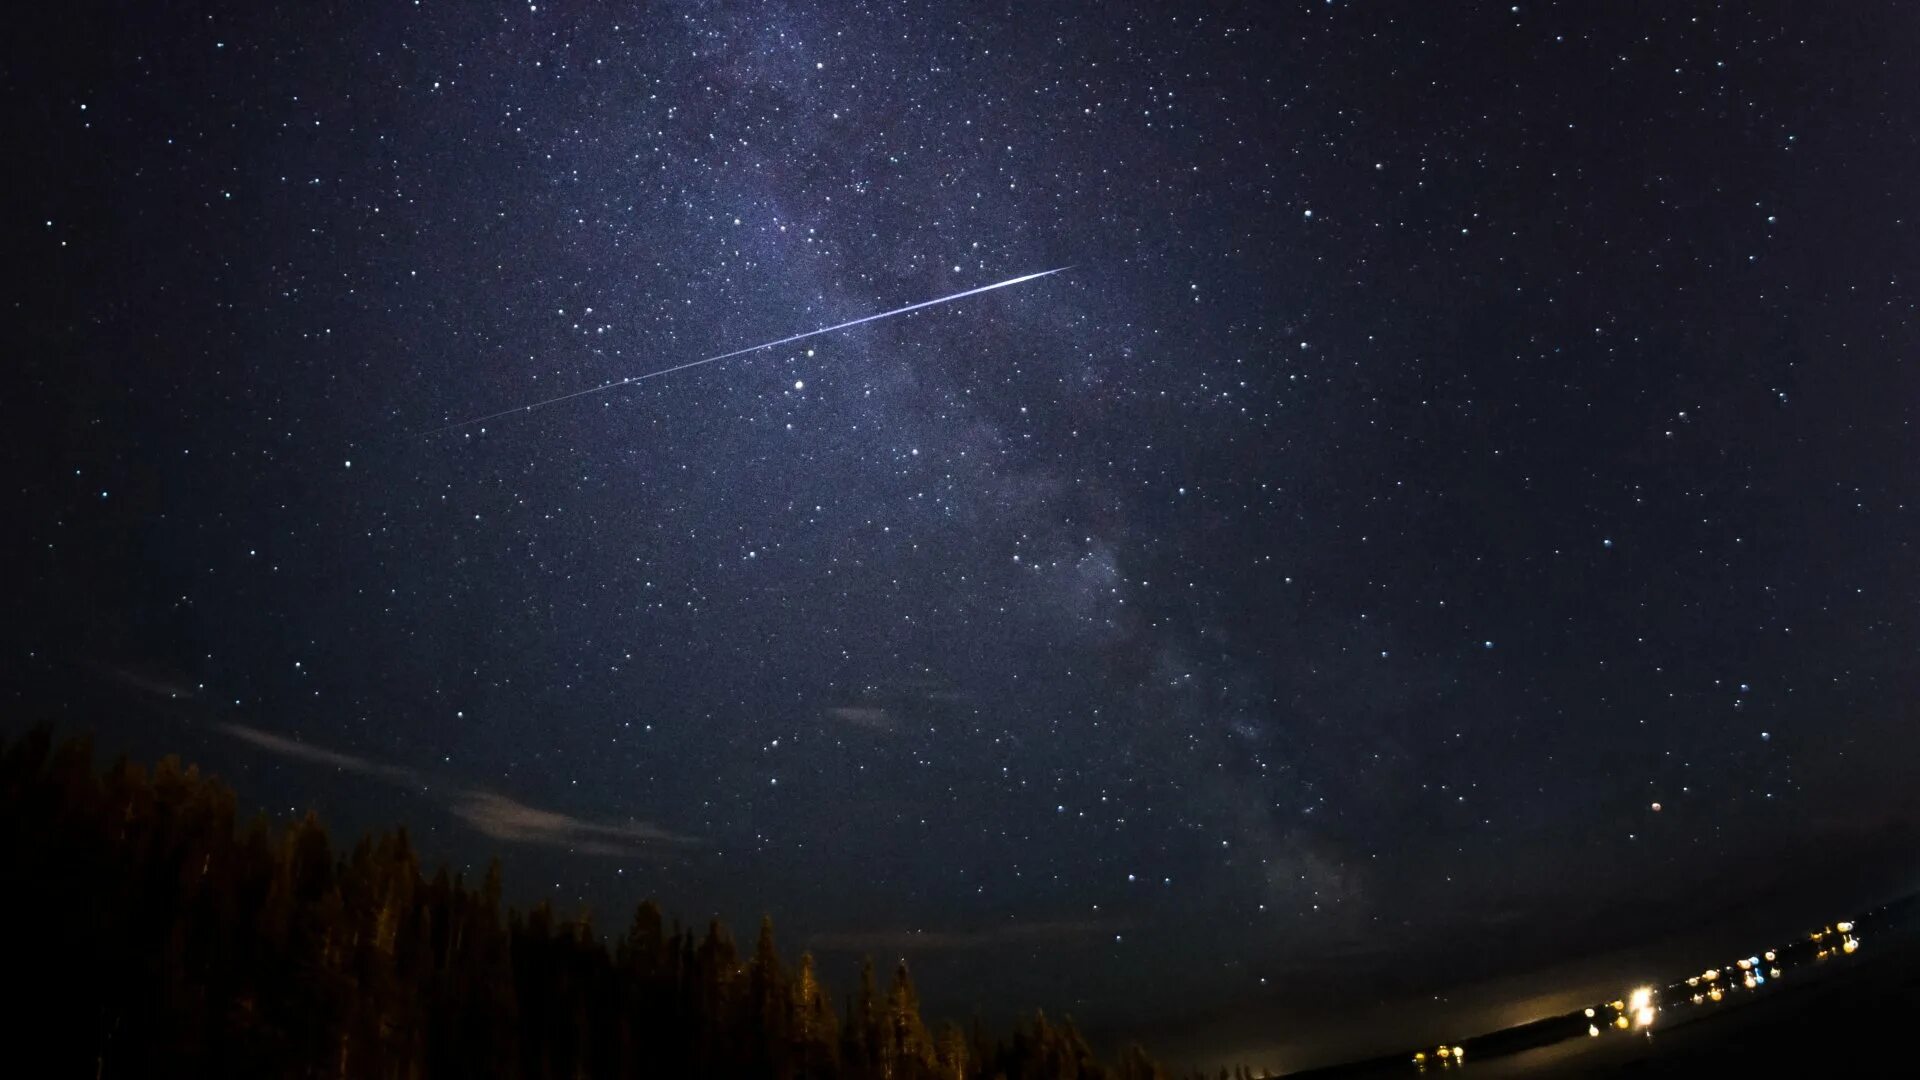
(1445, 1055)
(1842, 930)
(1633, 1012)
(1637, 1010)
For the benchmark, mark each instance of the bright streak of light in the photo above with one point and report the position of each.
(751, 348)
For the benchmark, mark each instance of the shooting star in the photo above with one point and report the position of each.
(604, 387)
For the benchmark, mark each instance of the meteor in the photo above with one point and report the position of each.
(603, 387)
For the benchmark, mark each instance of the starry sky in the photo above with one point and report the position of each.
(1463, 427)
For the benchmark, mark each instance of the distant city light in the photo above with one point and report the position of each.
(1640, 1004)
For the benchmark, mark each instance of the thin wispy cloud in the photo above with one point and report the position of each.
(318, 755)
(159, 686)
(491, 814)
(870, 717)
(502, 818)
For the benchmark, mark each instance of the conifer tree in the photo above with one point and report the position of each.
(953, 1054)
(864, 1035)
(909, 1049)
(769, 1012)
(816, 1029)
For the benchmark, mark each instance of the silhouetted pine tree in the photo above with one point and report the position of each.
(908, 1050)
(816, 1028)
(768, 1017)
(953, 1053)
(863, 1053)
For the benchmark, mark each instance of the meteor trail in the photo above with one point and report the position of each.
(742, 352)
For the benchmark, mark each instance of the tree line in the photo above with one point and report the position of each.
(154, 936)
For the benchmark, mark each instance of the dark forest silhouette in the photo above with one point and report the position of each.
(153, 937)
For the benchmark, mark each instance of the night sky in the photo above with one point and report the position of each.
(1462, 427)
